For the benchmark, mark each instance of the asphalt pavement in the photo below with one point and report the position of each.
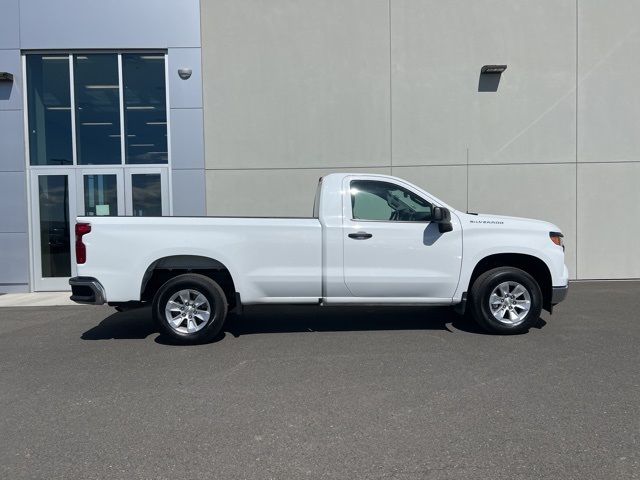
(335, 393)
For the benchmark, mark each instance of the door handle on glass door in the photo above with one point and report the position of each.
(360, 235)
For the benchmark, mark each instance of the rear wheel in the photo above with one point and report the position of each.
(506, 300)
(190, 308)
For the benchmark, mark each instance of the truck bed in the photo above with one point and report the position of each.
(280, 258)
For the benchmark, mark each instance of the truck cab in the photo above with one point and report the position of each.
(383, 244)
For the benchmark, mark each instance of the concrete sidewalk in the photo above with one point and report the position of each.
(36, 299)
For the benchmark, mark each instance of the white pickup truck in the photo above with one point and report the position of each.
(372, 240)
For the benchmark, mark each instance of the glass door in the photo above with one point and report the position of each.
(53, 215)
(97, 146)
(101, 192)
(59, 195)
(147, 192)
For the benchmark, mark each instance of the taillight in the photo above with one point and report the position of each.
(81, 250)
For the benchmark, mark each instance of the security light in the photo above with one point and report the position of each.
(493, 69)
(184, 73)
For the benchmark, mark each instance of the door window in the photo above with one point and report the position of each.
(146, 194)
(384, 201)
(101, 195)
(53, 209)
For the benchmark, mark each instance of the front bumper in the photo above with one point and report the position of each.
(558, 294)
(87, 290)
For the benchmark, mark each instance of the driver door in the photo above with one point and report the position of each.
(392, 250)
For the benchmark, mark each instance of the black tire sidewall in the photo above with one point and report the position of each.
(486, 283)
(207, 287)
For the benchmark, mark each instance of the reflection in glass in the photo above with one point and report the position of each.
(55, 250)
(49, 108)
(146, 195)
(101, 195)
(383, 201)
(145, 111)
(97, 109)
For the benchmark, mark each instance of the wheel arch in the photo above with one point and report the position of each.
(165, 268)
(534, 266)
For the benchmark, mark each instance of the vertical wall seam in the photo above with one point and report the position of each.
(25, 140)
(20, 27)
(577, 104)
(202, 87)
(467, 192)
(390, 95)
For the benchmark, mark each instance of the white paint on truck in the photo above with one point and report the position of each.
(331, 258)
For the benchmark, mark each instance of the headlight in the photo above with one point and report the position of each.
(557, 238)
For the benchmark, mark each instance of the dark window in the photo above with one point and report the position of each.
(383, 201)
(146, 194)
(97, 98)
(49, 109)
(145, 111)
(55, 252)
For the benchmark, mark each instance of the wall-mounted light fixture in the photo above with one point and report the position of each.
(493, 69)
(184, 73)
(6, 77)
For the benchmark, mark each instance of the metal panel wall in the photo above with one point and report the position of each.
(187, 137)
(173, 25)
(293, 89)
(14, 244)
(68, 24)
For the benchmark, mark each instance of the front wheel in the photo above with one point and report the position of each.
(190, 308)
(506, 300)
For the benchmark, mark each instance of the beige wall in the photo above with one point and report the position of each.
(294, 89)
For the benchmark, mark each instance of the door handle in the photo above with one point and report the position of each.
(360, 235)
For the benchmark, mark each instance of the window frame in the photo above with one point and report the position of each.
(388, 181)
(75, 89)
(165, 186)
(123, 107)
(27, 111)
(119, 52)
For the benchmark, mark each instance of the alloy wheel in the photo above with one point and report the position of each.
(188, 311)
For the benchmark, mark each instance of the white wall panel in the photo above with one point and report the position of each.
(608, 220)
(448, 183)
(543, 192)
(266, 192)
(439, 114)
(293, 83)
(608, 74)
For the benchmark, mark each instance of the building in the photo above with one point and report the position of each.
(187, 107)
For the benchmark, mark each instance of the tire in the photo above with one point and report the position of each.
(181, 305)
(509, 293)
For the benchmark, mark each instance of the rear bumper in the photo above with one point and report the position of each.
(558, 294)
(87, 290)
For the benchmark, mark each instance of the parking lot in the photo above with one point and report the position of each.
(340, 393)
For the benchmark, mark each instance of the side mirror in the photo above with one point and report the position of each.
(442, 216)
